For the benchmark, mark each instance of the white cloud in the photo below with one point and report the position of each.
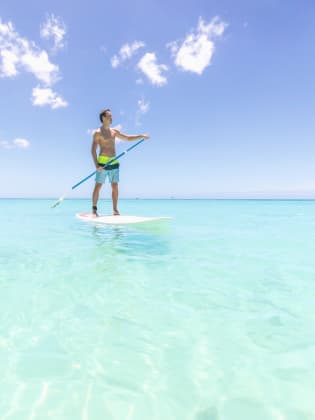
(54, 28)
(9, 61)
(15, 144)
(21, 143)
(38, 63)
(139, 81)
(143, 108)
(126, 52)
(46, 96)
(152, 70)
(196, 51)
(92, 131)
(114, 61)
(17, 54)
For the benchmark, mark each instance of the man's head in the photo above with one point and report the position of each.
(106, 116)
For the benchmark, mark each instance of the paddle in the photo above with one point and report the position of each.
(93, 173)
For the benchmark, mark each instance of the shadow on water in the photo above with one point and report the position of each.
(146, 242)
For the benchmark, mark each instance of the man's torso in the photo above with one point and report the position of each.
(106, 141)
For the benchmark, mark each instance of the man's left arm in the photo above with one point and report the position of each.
(123, 136)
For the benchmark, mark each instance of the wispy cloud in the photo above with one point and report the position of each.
(18, 143)
(139, 81)
(126, 52)
(18, 54)
(118, 127)
(148, 65)
(54, 28)
(115, 61)
(21, 143)
(195, 53)
(91, 131)
(142, 108)
(46, 96)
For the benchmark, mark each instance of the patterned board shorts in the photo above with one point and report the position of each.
(111, 174)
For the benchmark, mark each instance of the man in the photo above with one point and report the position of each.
(104, 138)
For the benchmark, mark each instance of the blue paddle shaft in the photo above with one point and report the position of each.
(107, 164)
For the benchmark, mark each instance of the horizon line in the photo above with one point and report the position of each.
(168, 198)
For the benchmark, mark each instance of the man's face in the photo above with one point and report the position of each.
(108, 117)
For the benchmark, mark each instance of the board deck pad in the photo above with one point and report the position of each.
(118, 220)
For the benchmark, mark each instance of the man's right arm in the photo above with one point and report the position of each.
(94, 149)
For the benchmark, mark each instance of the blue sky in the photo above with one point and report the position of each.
(225, 89)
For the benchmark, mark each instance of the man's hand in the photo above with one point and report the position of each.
(145, 136)
(99, 168)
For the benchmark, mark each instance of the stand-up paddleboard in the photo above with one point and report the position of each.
(119, 220)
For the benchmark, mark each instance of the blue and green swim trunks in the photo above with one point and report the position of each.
(112, 171)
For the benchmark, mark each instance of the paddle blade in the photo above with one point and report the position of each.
(56, 203)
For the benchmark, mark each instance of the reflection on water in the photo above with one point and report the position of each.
(129, 242)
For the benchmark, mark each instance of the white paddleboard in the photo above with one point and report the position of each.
(118, 220)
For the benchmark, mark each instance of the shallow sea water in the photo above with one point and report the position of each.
(207, 317)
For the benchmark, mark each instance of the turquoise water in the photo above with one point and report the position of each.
(208, 317)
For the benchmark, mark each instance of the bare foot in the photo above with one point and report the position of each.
(116, 213)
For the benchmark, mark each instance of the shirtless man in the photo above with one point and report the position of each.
(104, 138)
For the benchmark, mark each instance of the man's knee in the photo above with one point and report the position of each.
(115, 185)
(98, 186)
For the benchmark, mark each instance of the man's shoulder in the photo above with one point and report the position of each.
(96, 132)
(96, 135)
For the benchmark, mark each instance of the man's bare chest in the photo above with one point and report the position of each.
(106, 141)
(106, 138)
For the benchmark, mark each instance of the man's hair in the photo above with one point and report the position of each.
(103, 114)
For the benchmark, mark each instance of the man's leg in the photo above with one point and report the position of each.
(115, 198)
(96, 194)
